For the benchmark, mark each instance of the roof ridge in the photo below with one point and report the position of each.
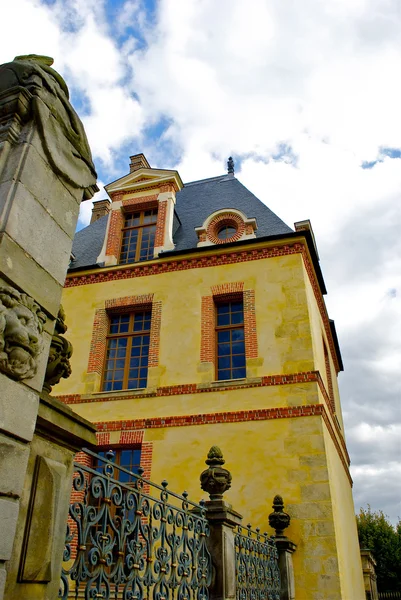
(203, 180)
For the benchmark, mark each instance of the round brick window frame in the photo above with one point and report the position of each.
(228, 219)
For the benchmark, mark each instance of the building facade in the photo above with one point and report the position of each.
(197, 318)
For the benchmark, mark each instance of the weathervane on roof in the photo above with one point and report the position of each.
(230, 165)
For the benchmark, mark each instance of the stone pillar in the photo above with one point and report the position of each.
(222, 520)
(280, 520)
(45, 172)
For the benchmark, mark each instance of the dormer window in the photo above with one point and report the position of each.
(226, 225)
(138, 236)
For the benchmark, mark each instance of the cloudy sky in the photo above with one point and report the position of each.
(306, 96)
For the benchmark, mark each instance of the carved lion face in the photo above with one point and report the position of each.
(21, 325)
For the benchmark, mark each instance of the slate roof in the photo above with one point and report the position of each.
(195, 202)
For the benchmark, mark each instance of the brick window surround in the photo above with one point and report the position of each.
(225, 292)
(101, 325)
(127, 438)
(117, 216)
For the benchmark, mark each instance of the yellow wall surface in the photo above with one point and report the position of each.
(282, 318)
(282, 456)
(351, 575)
(287, 456)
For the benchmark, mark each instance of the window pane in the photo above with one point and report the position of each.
(223, 319)
(223, 336)
(224, 363)
(238, 348)
(238, 360)
(239, 373)
(237, 335)
(237, 318)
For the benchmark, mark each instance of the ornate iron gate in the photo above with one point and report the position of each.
(256, 565)
(130, 538)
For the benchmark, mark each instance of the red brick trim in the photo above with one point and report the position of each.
(207, 350)
(140, 203)
(98, 342)
(229, 219)
(225, 289)
(114, 233)
(146, 459)
(131, 437)
(103, 438)
(329, 378)
(251, 339)
(160, 266)
(128, 301)
(161, 224)
(263, 414)
(192, 388)
(101, 325)
(208, 319)
(155, 326)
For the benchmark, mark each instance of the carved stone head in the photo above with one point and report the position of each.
(21, 326)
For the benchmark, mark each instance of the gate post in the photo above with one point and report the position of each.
(222, 520)
(280, 520)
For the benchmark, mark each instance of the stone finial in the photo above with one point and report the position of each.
(278, 519)
(58, 364)
(230, 165)
(215, 480)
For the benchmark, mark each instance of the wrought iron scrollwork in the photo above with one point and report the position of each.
(133, 540)
(256, 565)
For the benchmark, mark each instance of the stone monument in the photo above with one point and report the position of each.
(46, 170)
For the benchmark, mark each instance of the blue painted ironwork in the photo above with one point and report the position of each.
(256, 565)
(133, 540)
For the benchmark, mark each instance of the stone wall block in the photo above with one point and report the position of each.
(13, 462)
(18, 267)
(8, 524)
(34, 230)
(17, 400)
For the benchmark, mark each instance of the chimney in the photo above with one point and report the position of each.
(138, 161)
(100, 209)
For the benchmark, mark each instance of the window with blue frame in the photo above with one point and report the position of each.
(128, 458)
(230, 340)
(127, 351)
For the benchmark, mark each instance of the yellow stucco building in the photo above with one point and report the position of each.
(197, 318)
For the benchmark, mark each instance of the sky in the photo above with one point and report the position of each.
(306, 97)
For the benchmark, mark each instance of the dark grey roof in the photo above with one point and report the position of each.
(88, 243)
(195, 202)
(199, 199)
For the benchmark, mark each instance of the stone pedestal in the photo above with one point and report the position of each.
(369, 574)
(35, 567)
(45, 172)
(222, 521)
(285, 549)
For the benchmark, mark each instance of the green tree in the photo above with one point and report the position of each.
(384, 541)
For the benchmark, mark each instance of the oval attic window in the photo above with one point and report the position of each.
(226, 232)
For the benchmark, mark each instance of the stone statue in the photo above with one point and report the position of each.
(21, 325)
(60, 129)
(58, 364)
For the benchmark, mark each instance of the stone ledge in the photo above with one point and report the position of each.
(58, 422)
